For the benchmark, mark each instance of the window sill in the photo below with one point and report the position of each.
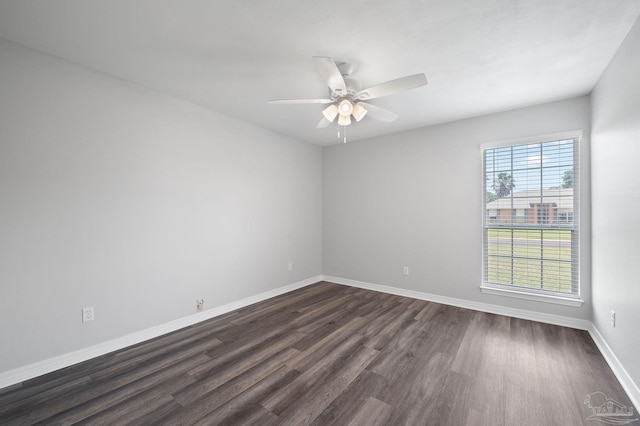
(547, 298)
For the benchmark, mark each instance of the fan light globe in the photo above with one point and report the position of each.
(344, 120)
(330, 112)
(346, 107)
(359, 112)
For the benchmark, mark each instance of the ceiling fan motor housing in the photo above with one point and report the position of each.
(353, 88)
(352, 85)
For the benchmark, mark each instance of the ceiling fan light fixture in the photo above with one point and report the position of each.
(359, 112)
(330, 112)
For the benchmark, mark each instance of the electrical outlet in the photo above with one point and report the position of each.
(88, 314)
(199, 305)
(290, 266)
(405, 270)
(613, 319)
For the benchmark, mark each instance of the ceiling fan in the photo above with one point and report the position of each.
(346, 99)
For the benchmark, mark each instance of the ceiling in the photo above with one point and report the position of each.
(479, 56)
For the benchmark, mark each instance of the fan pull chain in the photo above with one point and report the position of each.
(343, 134)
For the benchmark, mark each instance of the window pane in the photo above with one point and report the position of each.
(531, 237)
(527, 182)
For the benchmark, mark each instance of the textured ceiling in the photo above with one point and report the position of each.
(479, 56)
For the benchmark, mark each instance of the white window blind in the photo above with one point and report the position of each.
(531, 217)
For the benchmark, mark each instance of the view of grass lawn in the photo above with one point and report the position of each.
(532, 258)
(533, 234)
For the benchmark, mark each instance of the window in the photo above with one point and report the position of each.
(531, 218)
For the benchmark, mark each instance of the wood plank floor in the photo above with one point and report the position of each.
(331, 354)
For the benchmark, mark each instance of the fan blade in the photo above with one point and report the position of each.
(323, 123)
(330, 74)
(392, 87)
(379, 113)
(299, 101)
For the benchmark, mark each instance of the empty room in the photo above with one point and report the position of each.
(320, 212)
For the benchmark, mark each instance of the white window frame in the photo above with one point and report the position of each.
(568, 299)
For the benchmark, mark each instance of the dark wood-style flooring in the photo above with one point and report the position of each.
(331, 354)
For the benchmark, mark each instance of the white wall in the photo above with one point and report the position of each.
(117, 197)
(615, 166)
(415, 199)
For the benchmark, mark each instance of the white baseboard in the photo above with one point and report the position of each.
(39, 368)
(462, 303)
(633, 392)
